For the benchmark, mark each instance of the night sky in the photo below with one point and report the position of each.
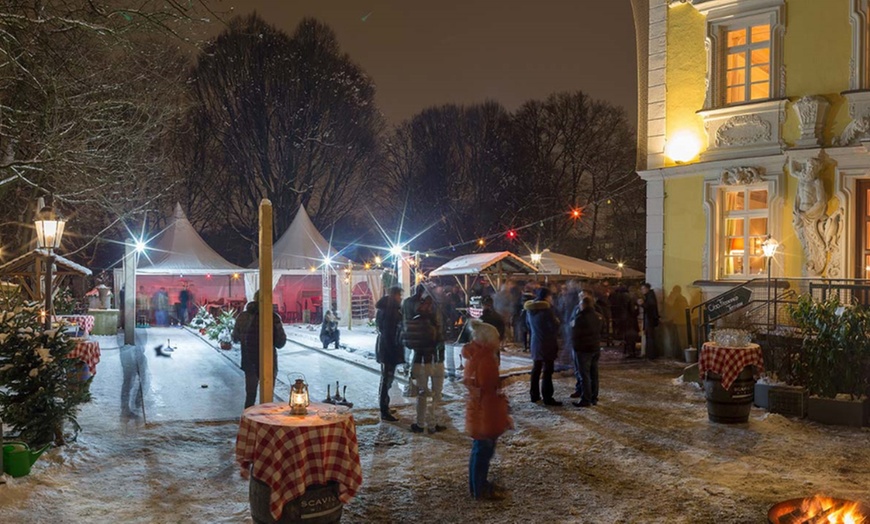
(464, 51)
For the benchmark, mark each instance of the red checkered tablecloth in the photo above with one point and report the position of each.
(85, 322)
(89, 352)
(729, 361)
(290, 453)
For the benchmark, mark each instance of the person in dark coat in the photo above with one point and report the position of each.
(586, 335)
(329, 333)
(247, 332)
(389, 351)
(491, 317)
(650, 319)
(544, 344)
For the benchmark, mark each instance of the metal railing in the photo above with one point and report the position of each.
(767, 310)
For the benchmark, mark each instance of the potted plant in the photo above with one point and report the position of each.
(834, 359)
(222, 329)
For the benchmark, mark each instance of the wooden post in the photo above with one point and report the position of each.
(130, 263)
(267, 379)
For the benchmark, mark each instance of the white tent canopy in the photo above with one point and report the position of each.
(557, 264)
(627, 272)
(181, 251)
(302, 247)
(503, 262)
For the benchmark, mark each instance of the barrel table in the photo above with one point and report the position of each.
(729, 375)
(302, 468)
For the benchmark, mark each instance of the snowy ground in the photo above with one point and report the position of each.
(646, 453)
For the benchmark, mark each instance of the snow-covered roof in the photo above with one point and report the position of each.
(558, 264)
(181, 251)
(627, 272)
(503, 261)
(302, 246)
(63, 264)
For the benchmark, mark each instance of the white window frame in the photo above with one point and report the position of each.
(859, 66)
(769, 175)
(725, 15)
(746, 215)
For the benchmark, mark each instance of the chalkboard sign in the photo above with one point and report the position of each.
(726, 303)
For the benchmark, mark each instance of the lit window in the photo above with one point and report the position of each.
(747, 64)
(745, 226)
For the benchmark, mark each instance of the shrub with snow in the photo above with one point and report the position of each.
(41, 388)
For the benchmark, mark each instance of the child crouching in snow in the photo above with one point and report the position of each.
(486, 415)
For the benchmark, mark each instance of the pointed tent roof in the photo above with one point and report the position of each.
(302, 246)
(180, 250)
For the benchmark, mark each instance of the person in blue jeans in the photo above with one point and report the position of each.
(486, 415)
(586, 335)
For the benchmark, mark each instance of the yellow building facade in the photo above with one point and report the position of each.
(755, 125)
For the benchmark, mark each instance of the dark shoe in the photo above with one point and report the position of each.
(552, 402)
(595, 402)
(416, 429)
(388, 417)
(336, 345)
(440, 428)
(581, 404)
(535, 400)
(576, 394)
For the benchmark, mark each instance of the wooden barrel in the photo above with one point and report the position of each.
(730, 406)
(318, 505)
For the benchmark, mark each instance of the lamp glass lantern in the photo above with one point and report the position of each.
(769, 247)
(49, 228)
(536, 258)
(299, 400)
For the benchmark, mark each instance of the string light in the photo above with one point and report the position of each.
(481, 242)
(577, 213)
(512, 234)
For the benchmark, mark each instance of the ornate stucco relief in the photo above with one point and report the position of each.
(741, 176)
(818, 232)
(811, 111)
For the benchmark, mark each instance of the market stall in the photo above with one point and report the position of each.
(494, 267)
(556, 265)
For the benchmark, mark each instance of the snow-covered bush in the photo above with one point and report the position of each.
(203, 319)
(40, 386)
(222, 329)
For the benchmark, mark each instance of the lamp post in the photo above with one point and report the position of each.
(769, 247)
(49, 231)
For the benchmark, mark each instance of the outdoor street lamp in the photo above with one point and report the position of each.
(769, 247)
(49, 231)
(536, 258)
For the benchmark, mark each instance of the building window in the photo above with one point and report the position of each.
(745, 225)
(747, 64)
(744, 51)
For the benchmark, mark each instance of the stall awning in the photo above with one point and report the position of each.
(627, 272)
(481, 263)
(557, 264)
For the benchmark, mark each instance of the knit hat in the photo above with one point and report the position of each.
(484, 333)
(542, 293)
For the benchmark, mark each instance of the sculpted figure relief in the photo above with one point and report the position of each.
(819, 233)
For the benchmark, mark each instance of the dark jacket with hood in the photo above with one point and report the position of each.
(388, 348)
(247, 332)
(586, 333)
(544, 327)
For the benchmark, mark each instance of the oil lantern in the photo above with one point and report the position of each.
(299, 398)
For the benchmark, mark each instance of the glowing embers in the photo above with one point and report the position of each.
(819, 510)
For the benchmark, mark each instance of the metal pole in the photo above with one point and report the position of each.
(267, 372)
(130, 263)
(349, 296)
(49, 261)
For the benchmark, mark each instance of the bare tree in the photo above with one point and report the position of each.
(447, 169)
(89, 102)
(288, 118)
(572, 153)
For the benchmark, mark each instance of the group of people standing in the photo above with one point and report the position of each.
(156, 308)
(410, 332)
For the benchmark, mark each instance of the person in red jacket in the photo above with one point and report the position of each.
(486, 415)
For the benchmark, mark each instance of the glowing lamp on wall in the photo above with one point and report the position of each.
(683, 147)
